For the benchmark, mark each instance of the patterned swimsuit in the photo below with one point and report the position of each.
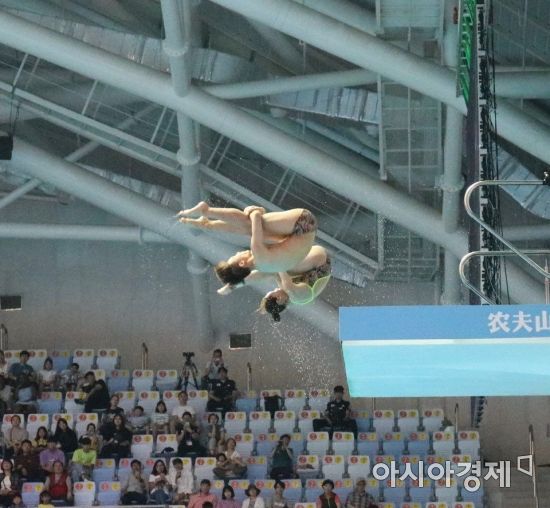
(312, 277)
(306, 223)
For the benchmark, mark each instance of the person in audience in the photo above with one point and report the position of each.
(10, 483)
(58, 484)
(93, 435)
(138, 421)
(203, 496)
(71, 378)
(15, 435)
(50, 456)
(117, 439)
(65, 436)
(228, 498)
(222, 394)
(337, 415)
(223, 469)
(26, 395)
(27, 464)
(113, 409)
(360, 498)
(159, 486)
(215, 434)
(235, 464)
(83, 461)
(181, 482)
(179, 410)
(6, 396)
(97, 394)
(21, 367)
(4, 367)
(47, 377)
(278, 499)
(211, 372)
(282, 459)
(40, 441)
(134, 489)
(328, 499)
(188, 438)
(160, 419)
(253, 498)
(17, 501)
(45, 500)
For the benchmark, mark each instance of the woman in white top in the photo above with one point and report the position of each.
(234, 456)
(47, 376)
(159, 487)
(181, 481)
(253, 499)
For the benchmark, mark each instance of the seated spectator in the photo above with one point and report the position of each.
(20, 368)
(138, 421)
(4, 367)
(6, 396)
(17, 501)
(215, 434)
(181, 481)
(160, 419)
(97, 394)
(93, 435)
(15, 436)
(159, 486)
(134, 489)
(360, 498)
(203, 496)
(253, 499)
(26, 395)
(83, 461)
(282, 460)
(65, 436)
(45, 500)
(337, 415)
(71, 378)
(188, 438)
(47, 376)
(10, 483)
(117, 439)
(50, 456)
(27, 464)
(228, 498)
(179, 410)
(40, 441)
(278, 500)
(58, 484)
(211, 372)
(234, 464)
(328, 499)
(113, 410)
(222, 394)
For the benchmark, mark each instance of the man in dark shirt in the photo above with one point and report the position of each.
(337, 415)
(97, 394)
(221, 396)
(21, 368)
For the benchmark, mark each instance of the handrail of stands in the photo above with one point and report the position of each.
(533, 465)
(3, 337)
(457, 411)
(248, 376)
(144, 356)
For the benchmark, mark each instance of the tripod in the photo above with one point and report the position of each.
(189, 369)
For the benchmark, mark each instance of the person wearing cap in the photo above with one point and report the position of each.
(253, 499)
(360, 498)
(337, 415)
(328, 499)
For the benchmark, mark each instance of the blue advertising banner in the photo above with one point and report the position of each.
(427, 351)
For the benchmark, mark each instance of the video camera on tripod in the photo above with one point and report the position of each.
(189, 369)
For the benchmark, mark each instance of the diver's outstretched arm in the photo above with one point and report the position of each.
(250, 279)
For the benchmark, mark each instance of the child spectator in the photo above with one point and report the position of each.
(181, 482)
(134, 489)
(47, 376)
(40, 441)
(139, 421)
(160, 419)
(93, 435)
(50, 456)
(234, 465)
(159, 486)
(179, 410)
(83, 461)
(45, 500)
(65, 436)
(27, 464)
(58, 484)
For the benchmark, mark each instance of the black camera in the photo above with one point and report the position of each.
(188, 355)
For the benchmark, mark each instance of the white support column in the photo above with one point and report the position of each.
(20, 191)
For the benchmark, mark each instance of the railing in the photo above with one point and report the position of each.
(4, 344)
(534, 462)
(248, 376)
(457, 413)
(144, 356)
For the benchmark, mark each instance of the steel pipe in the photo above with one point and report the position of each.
(523, 85)
(20, 191)
(536, 232)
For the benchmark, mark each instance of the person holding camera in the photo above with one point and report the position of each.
(222, 394)
(212, 369)
(282, 460)
(178, 411)
(188, 438)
